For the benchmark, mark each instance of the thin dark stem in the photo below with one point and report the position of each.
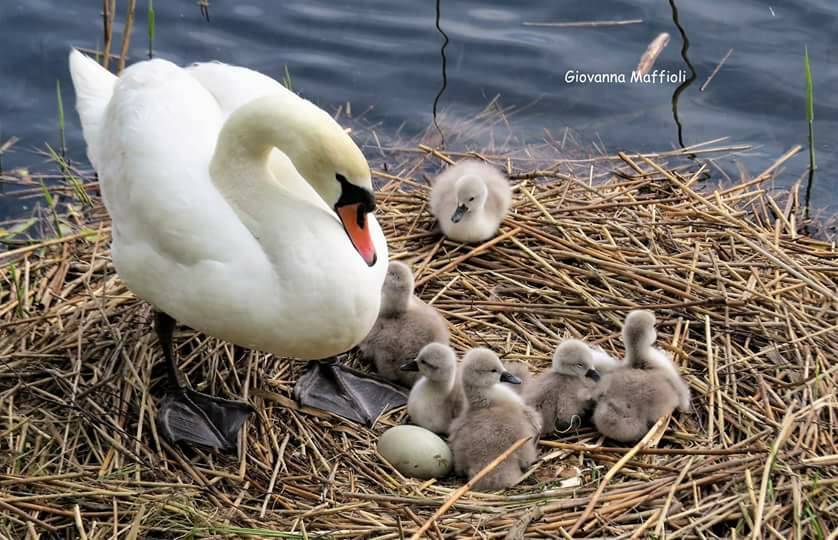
(107, 15)
(204, 5)
(685, 45)
(444, 72)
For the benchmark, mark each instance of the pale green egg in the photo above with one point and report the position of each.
(416, 452)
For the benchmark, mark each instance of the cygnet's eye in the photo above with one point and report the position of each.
(494, 371)
(470, 199)
(579, 364)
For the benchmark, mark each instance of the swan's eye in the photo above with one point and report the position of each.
(470, 199)
(579, 364)
(494, 371)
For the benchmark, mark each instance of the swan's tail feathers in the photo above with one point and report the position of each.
(94, 87)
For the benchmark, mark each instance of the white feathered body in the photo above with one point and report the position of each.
(293, 287)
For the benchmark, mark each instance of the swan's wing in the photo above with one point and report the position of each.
(94, 86)
(157, 139)
(177, 243)
(235, 86)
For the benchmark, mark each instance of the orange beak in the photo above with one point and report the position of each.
(354, 221)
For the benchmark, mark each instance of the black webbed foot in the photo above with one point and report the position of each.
(196, 418)
(349, 393)
(189, 416)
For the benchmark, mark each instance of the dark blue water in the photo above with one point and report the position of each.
(384, 55)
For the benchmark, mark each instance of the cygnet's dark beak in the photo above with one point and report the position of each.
(413, 365)
(509, 378)
(592, 374)
(459, 213)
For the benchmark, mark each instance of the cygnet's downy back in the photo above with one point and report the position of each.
(563, 394)
(494, 419)
(639, 338)
(437, 397)
(630, 400)
(405, 324)
(470, 199)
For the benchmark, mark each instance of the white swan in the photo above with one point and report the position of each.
(238, 208)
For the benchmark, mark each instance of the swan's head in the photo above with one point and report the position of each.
(639, 329)
(321, 151)
(574, 358)
(482, 369)
(436, 362)
(339, 172)
(471, 196)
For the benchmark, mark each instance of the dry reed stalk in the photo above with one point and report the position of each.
(715, 70)
(584, 24)
(785, 431)
(647, 439)
(650, 56)
(108, 13)
(127, 29)
(468, 485)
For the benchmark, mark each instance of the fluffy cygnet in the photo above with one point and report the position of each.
(639, 338)
(630, 400)
(564, 392)
(470, 199)
(437, 397)
(494, 419)
(522, 372)
(405, 324)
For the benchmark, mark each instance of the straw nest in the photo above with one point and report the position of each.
(746, 304)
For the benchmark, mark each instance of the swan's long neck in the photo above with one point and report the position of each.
(239, 166)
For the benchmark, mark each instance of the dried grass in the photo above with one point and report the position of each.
(746, 305)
